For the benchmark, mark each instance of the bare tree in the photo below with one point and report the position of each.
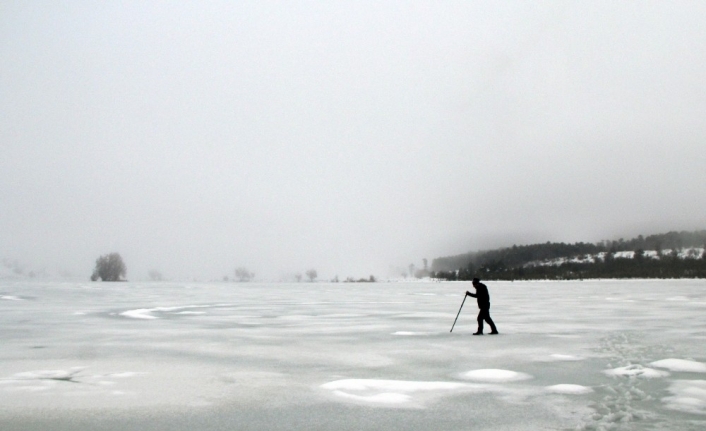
(298, 277)
(242, 274)
(109, 268)
(311, 274)
(155, 275)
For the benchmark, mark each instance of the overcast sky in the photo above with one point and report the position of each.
(194, 137)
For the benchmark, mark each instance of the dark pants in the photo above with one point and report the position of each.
(485, 315)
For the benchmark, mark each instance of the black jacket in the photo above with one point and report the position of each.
(482, 296)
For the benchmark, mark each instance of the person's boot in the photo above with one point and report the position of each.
(493, 329)
(478, 333)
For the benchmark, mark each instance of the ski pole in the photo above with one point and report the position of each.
(459, 312)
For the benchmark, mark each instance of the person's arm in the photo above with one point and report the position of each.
(470, 294)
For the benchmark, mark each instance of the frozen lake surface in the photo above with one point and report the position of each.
(595, 355)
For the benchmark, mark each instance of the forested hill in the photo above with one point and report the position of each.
(672, 254)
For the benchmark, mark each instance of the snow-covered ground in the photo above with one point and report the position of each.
(682, 253)
(595, 355)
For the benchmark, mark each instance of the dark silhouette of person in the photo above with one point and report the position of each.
(483, 298)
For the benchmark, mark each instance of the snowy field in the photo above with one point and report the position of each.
(613, 355)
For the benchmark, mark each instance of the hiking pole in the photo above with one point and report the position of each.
(459, 312)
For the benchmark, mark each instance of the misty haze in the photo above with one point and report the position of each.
(349, 138)
(266, 215)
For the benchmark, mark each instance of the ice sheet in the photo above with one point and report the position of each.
(185, 356)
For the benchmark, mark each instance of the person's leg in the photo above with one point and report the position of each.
(493, 329)
(481, 317)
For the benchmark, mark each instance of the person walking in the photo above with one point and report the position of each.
(483, 298)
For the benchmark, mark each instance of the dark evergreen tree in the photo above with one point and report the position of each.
(109, 268)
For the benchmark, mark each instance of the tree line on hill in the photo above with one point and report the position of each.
(111, 267)
(561, 261)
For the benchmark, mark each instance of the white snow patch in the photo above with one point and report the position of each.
(560, 357)
(409, 333)
(678, 298)
(27, 388)
(146, 313)
(689, 396)
(390, 385)
(495, 376)
(124, 374)
(624, 254)
(10, 298)
(686, 253)
(46, 374)
(680, 365)
(569, 389)
(383, 398)
(636, 371)
(389, 391)
(140, 313)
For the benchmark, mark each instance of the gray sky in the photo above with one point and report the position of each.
(194, 137)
